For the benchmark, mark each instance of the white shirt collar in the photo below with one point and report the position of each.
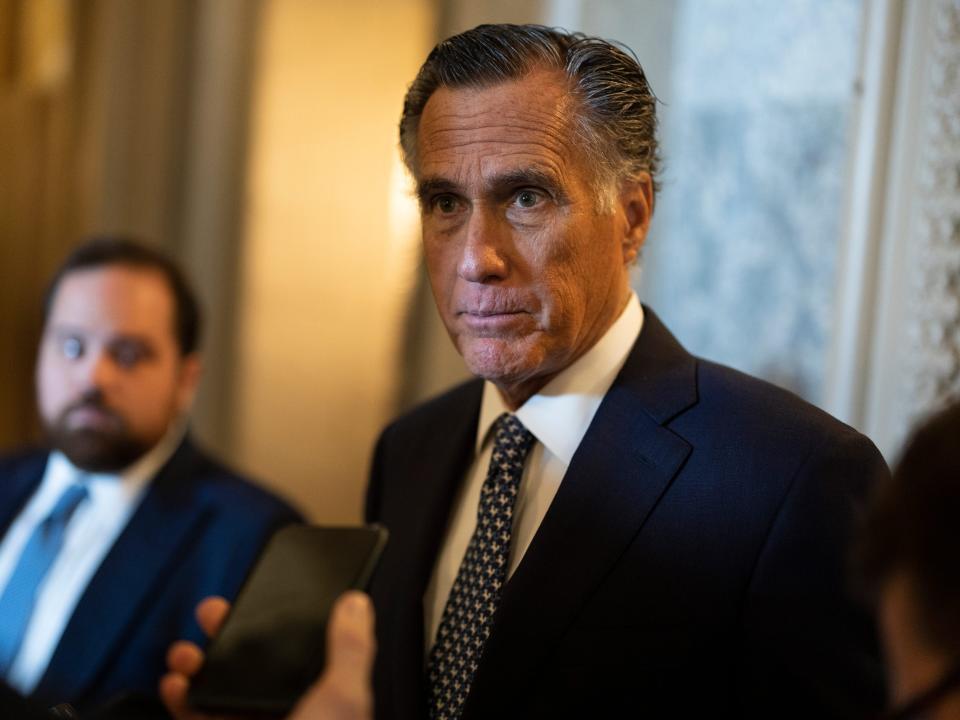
(559, 415)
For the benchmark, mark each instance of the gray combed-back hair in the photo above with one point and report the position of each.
(617, 121)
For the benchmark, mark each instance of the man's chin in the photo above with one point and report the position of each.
(503, 362)
(96, 451)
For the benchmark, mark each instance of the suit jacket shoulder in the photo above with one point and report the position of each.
(13, 460)
(195, 476)
(744, 399)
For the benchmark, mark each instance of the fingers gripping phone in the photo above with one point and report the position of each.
(271, 646)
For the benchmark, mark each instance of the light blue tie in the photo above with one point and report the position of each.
(16, 603)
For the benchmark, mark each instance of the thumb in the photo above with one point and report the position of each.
(344, 691)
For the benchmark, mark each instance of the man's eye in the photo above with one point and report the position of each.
(527, 198)
(71, 347)
(446, 204)
(128, 355)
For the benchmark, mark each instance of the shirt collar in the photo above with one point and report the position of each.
(559, 415)
(127, 483)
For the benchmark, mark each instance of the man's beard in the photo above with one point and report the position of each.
(97, 450)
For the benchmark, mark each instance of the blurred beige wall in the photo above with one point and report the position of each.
(331, 246)
(37, 100)
(120, 116)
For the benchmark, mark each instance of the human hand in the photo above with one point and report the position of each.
(184, 660)
(343, 692)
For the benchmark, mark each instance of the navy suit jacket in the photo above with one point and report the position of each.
(692, 563)
(196, 533)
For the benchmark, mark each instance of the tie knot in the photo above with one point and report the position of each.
(67, 503)
(510, 433)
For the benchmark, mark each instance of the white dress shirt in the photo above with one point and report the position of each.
(558, 417)
(94, 526)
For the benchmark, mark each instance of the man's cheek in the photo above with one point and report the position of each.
(49, 392)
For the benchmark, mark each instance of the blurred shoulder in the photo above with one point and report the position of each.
(23, 458)
(230, 490)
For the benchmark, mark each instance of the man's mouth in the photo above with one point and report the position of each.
(93, 417)
(491, 313)
(493, 321)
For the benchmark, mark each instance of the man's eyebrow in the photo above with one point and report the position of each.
(499, 184)
(526, 176)
(432, 186)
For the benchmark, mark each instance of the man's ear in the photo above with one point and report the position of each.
(191, 369)
(636, 199)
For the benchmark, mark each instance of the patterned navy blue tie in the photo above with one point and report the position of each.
(16, 603)
(468, 614)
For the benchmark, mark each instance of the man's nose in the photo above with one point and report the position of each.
(101, 370)
(484, 257)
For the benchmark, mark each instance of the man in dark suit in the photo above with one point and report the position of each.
(110, 538)
(603, 525)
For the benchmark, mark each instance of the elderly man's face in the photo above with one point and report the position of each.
(527, 270)
(110, 377)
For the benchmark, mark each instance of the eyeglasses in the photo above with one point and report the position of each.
(926, 701)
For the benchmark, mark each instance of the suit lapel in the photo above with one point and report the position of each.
(16, 489)
(414, 547)
(435, 493)
(621, 469)
(127, 579)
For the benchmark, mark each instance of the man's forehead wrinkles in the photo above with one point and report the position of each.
(553, 149)
(496, 145)
(495, 126)
(500, 123)
(464, 117)
(539, 143)
(496, 116)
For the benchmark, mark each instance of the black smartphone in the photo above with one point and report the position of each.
(271, 646)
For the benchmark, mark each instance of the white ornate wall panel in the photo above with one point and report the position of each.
(914, 363)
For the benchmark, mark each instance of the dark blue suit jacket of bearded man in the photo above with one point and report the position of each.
(196, 533)
(692, 563)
